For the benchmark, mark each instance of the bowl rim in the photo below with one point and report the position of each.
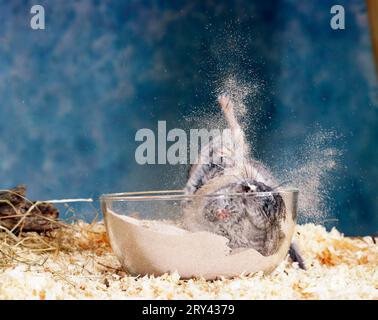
(180, 195)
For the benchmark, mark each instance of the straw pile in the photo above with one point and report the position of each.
(76, 262)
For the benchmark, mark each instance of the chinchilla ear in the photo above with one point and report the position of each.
(223, 214)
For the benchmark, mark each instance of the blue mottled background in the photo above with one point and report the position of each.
(73, 95)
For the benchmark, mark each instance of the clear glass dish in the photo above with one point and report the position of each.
(147, 232)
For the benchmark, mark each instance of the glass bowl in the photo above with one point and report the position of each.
(149, 234)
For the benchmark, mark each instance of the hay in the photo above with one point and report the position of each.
(76, 262)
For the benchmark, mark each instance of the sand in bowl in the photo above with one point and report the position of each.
(157, 247)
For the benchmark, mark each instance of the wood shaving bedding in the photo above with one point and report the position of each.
(76, 262)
